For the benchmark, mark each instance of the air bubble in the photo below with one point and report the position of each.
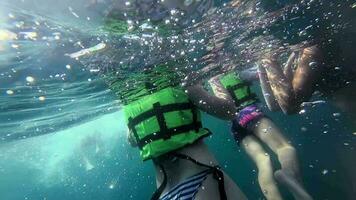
(30, 79)
(313, 64)
(15, 46)
(336, 114)
(9, 92)
(302, 111)
(324, 172)
(42, 98)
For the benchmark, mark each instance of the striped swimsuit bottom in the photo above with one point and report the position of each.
(188, 188)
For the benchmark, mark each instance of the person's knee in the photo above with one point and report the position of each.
(264, 163)
(287, 149)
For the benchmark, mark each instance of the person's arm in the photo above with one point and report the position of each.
(221, 106)
(213, 105)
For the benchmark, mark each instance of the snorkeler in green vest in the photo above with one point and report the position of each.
(162, 122)
(166, 127)
(252, 129)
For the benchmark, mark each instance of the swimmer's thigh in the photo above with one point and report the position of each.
(268, 132)
(281, 88)
(307, 73)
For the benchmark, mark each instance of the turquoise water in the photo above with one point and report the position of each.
(53, 167)
(62, 134)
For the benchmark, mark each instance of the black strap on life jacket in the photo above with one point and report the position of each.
(248, 97)
(218, 175)
(164, 132)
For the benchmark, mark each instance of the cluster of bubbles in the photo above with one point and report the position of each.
(39, 83)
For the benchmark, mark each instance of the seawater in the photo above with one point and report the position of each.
(64, 137)
(54, 166)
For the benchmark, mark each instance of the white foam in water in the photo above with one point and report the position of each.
(53, 155)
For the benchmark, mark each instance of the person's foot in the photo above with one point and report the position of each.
(288, 180)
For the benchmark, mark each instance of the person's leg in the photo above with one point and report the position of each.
(267, 92)
(273, 75)
(288, 68)
(291, 89)
(264, 165)
(307, 73)
(290, 174)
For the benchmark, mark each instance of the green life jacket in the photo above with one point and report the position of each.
(163, 121)
(238, 89)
